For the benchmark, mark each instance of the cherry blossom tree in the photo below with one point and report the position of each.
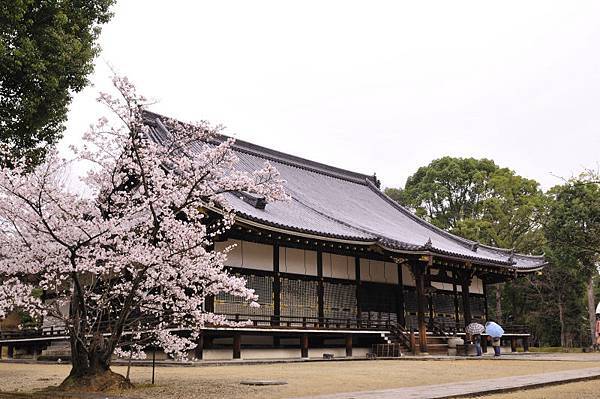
(133, 257)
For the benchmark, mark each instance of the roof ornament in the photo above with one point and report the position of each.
(474, 246)
(376, 181)
(511, 258)
(428, 244)
(257, 201)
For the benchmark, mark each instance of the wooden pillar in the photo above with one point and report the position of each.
(421, 300)
(465, 283)
(430, 305)
(484, 344)
(0, 351)
(349, 345)
(357, 276)
(199, 349)
(11, 351)
(237, 346)
(400, 299)
(485, 300)
(209, 300)
(513, 344)
(456, 305)
(320, 288)
(276, 286)
(525, 344)
(304, 346)
(209, 303)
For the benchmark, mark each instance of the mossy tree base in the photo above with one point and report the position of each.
(97, 382)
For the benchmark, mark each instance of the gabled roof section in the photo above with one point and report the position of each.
(333, 203)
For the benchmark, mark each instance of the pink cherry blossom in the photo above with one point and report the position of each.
(134, 259)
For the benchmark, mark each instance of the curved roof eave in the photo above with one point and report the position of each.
(246, 219)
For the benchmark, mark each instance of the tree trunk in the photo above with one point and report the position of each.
(561, 319)
(591, 308)
(90, 370)
(499, 287)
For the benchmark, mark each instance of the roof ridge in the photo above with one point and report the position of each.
(462, 241)
(283, 157)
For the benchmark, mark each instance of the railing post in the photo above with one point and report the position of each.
(525, 344)
(413, 342)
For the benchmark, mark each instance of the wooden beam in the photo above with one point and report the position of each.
(456, 304)
(429, 298)
(485, 300)
(320, 288)
(199, 349)
(276, 285)
(349, 345)
(400, 298)
(357, 276)
(418, 271)
(304, 346)
(237, 346)
(465, 283)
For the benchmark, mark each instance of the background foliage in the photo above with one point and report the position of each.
(478, 200)
(47, 50)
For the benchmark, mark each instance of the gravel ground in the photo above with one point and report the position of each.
(303, 378)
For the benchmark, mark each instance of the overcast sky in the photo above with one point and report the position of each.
(371, 86)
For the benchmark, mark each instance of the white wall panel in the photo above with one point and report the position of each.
(342, 267)
(476, 286)
(297, 261)
(391, 273)
(407, 276)
(247, 255)
(257, 256)
(365, 271)
(234, 257)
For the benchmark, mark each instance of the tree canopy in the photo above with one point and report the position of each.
(47, 50)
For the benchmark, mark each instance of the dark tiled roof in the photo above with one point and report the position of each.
(335, 203)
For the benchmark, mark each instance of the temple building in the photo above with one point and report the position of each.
(341, 269)
(342, 266)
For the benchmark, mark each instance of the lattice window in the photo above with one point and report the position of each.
(299, 298)
(443, 306)
(231, 305)
(339, 300)
(477, 308)
(378, 302)
(410, 309)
